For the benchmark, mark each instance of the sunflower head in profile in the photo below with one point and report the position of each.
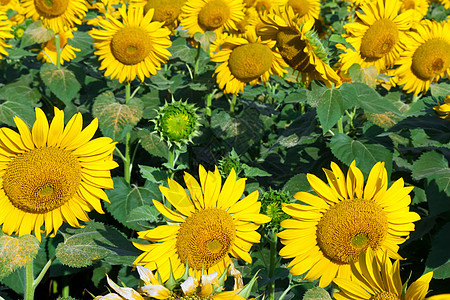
(177, 123)
(331, 228)
(376, 36)
(211, 15)
(426, 57)
(52, 174)
(206, 225)
(5, 33)
(135, 46)
(58, 15)
(375, 277)
(299, 46)
(246, 61)
(48, 53)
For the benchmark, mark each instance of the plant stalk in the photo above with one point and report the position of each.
(29, 287)
(197, 59)
(232, 105)
(127, 160)
(272, 263)
(58, 51)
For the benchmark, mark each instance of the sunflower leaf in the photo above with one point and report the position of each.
(434, 167)
(438, 260)
(330, 108)
(316, 293)
(35, 34)
(61, 82)
(153, 144)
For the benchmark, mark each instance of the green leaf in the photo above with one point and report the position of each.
(16, 252)
(19, 101)
(434, 167)
(316, 293)
(366, 155)
(438, 260)
(155, 175)
(62, 82)
(125, 198)
(144, 216)
(371, 101)
(35, 34)
(440, 90)
(153, 144)
(253, 171)
(84, 246)
(116, 119)
(296, 184)
(330, 109)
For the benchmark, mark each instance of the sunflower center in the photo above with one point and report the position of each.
(51, 8)
(385, 296)
(213, 15)
(379, 39)
(349, 227)
(177, 126)
(291, 46)
(248, 62)
(205, 238)
(431, 59)
(300, 7)
(165, 10)
(131, 45)
(42, 180)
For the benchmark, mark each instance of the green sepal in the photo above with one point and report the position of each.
(245, 292)
(171, 283)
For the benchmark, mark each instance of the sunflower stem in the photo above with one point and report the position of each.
(340, 125)
(232, 105)
(127, 160)
(58, 51)
(43, 271)
(29, 288)
(209, 102)
(197, 59)
(272, 262)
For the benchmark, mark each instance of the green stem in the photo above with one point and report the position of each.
(43, 271)
(415, 98)
(272, 262)
(232, 105)
(340, 125)
(172, 161)
(197, 59)
(58, 51)
(29, 288)
(209, 102)
(127, 161)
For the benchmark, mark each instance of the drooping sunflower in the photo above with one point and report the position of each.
(135, 46)
(52, 174)
(443, 110)
(58, 15)
(246, 61)
(14, 5)
(5, 33)
(209, 224)
(300, 47)
(305, 9)
(418, 7)
(48, 53)
(345, 218)
(425, 58)
(376, 36)
(211, 15)
(375, 277)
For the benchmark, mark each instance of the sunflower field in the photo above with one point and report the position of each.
(225, 149)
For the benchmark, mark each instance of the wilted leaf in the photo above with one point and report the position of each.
(36, 34)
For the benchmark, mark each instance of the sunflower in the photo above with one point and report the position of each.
(211, 15)
(107, 7)
(426, 57)
(265, 5)
(134, 47)
(14, 5)
(5, 33)
(243, 61)
(445, 3)
(376, 36)
(209, 224)
(443, 110)
(418, 7)
(58, 15)
(300, 47)
(305, 9)
(48, 53)
(375, 277)
(166, 11)
(53, 174)
(345, 218)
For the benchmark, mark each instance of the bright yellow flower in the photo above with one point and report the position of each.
(5, 33)
(48, 53)
(443, 110)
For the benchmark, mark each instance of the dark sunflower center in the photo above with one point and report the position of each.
(213, 15)
(131, 45)
(51, 8)
(166, 11)
(248, 62)
(300, 7)
(42, 180)
(431, 59)
(349, 227)
(385, 296)
(379, 39)
(291, 46)
(205, 238)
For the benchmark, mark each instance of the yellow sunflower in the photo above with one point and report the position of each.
(5, 33)
(246, 61)
(265, 5)
(211, 15)
(167, 11)
(14, 5)
(48, 53)
(446, 3)
(418, 7)
(58, 15)
(134, 47)
(107, 7)
(300, 47)
(375, 277)
(52, 174)
(345, 218)
(376, 36)
(305, 9)
(208, 224)
(443, 110)
(426, 57)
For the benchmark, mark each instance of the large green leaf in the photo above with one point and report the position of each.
(330, 109)
(62, 82)
(18, 99)
(36, 34)
(433, 167)
(365, 154)
(438, 260)
(116, 119)
(153, 144)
